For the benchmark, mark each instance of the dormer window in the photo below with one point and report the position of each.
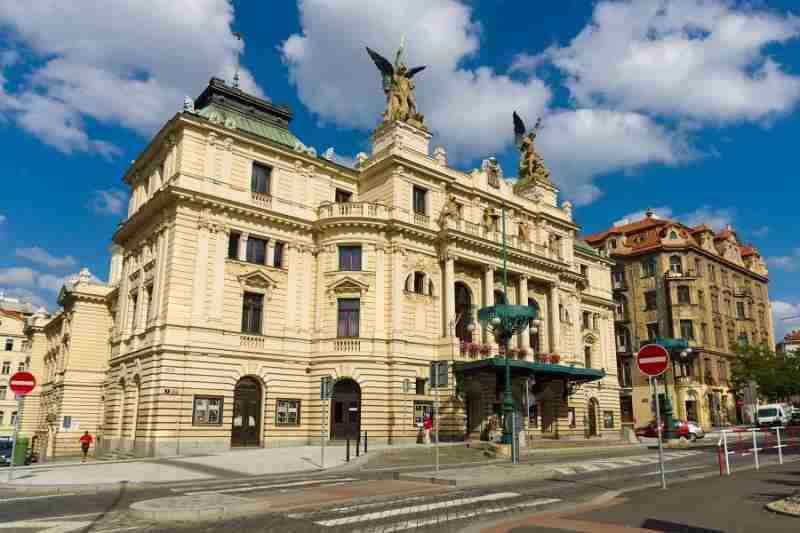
(612, 244)
(673, 234)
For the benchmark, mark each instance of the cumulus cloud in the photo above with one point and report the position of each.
(127, 67)
(30, 279)
(108, 202)
(761, 231)
(716, 217)
(43, 257)
(789, 263)
(30, 299)
(469, 109)
(3, 219)
(20, 276)
(664, 211)
(707, 60)
(582, 144)
(782, 310)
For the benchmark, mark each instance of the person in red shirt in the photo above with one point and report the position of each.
(86, 442)
(427, 425)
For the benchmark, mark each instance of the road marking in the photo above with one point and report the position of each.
(413, 524)
(222, 487)
(21, 498)
(63, 516)
(52, 527)
(276, 486)
(349, 508)
(565, 471)
(116, 529)
(416, 508)
(589, 467)
(673, 471)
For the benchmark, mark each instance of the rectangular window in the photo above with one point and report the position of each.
(207, 411)
(740, 310)
(533, 416)
(3, 392)
(587, 320)
(715, 303)
(652, 331)
(585, 271)
(712, 273)
(650, 301)
(687, 329)
(9, 345)
(277, 256)
(252, 312)
(349, 258)
(256, 251)
(649, 267)
(342, 197)
(150, 304)
(420, 204)
(260, 179)
(66, 422)
(13, 421)
(698, 267)
(233, 245)
(618, 278)
(420, 386)
(134, 310)
(608, 419)
(2, 417)
(349, 317)
(419, 282)
(421, 410)
(683, 295)
(718, 337)
(743, 340)
(21, 367)
(287, 413)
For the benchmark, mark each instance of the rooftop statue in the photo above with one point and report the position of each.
(531, 166)
(399, 89)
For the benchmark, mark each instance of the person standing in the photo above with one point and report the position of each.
(86, 442)
(427, 425)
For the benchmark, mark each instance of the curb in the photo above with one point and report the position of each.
(433, 480)
(195, 508)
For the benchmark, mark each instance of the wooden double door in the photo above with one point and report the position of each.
(247, 401)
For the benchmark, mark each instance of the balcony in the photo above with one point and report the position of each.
(353, 209)
(491, 234)
(261, 199)
(621, 316)
(683, 275)
(347, 345)
(252, 342)
(422, 220)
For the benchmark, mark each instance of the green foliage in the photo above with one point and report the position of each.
(777, 376)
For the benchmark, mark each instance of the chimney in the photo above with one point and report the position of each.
(649, 213)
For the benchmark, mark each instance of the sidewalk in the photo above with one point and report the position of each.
(712, 505)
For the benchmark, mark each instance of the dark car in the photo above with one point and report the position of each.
(5, 452)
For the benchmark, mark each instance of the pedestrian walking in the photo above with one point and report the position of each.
(427, 425)
(86, 442)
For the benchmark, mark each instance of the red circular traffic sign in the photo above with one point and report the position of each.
(652, 360)
(22, 383)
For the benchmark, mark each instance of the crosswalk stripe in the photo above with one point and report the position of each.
(24, 498)
(413, 524)
(565, 471)
(274, 486)
(416, 508)
(349, 508)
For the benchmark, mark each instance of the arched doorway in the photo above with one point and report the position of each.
(246, 430)
(592, 417)
(346, 410)
(463, 311)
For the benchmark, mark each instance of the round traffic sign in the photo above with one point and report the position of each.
(652, 360)
(22, 383)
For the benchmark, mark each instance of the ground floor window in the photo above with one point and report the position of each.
(571, 417)
(533, 416)
(207, 411)
(287, 413)
(421, 410)
(626, 408)
(608, 419)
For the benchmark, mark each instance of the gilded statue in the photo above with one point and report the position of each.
(399, 89)
(531, 166)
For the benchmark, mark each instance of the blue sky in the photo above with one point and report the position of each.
(686, 106)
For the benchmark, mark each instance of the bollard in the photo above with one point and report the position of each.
(348, 450)
(365, 442)
(755, 448)
(780, 448)
(358, 443)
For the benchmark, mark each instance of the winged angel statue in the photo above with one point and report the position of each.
(531, 166)
(397, 85)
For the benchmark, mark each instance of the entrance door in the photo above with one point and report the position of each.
(246, 429)
(592, 417)
(346, 402)
(691, 410)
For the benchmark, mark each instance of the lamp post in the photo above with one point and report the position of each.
(505, 321)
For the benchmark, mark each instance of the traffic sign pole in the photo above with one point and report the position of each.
(652, 360)
(660, 443)
(16, 434)
(21, 383)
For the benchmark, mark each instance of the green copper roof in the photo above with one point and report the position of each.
(582, 246)
(234, 120)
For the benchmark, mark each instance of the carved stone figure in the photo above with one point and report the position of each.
(531, 166)
(400, 103)
(188, 104)
(493, 171)
(450, 210)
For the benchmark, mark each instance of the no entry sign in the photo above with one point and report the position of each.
(652, 360)
(22, 383)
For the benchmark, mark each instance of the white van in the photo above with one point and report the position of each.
(773, 414)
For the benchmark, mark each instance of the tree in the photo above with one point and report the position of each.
(777, 376)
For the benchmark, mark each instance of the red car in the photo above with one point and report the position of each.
(681, 429)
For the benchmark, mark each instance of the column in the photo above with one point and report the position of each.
(243, 246)
(577, 321)
(380, 292)
(488, 299)
(218, 288)
(291, 286)
(450, 295)
(271, 252)
(308, 259)
(200, 286)
(525, 334)
(555, 319)
(397, 291)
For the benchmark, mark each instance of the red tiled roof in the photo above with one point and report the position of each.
(747, 250)
(627, 229)
(794, 336)
(12, 314)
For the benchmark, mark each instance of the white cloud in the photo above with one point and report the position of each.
(789, 263)
(703, 59)
(21, 276)
(582, 144)
(717, 218)
(42, 256)
(3, 219)
(27, 297)
(660, 212)
(108, 202)
(468, 109)
(782, 310)
(761, 231)
(128, 66)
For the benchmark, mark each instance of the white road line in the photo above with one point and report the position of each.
(276, 486)
(116, 529)
(565, 471)
(221, 487)
(416, 508)
(349, 508)
(675, 470)
(20, 499)
(588, 467)
(51, 527)
(413, 524)
(63, 516)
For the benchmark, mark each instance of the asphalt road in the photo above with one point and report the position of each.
(365, 500)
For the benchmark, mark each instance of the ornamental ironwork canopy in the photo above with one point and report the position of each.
(541, 371)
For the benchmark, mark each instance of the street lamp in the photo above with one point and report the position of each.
(505, 321)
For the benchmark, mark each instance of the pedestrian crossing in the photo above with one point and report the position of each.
(597, 465)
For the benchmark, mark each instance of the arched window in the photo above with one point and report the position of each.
(463, 312)
(675, 264)
(499, 297)
(415, 282)
(621, 305)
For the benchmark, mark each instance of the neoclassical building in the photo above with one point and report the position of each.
(14, 356)
(249, 267)
(695, 283)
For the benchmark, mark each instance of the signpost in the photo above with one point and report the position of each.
(21, 383)
(325, 393)
(438, 378)
(652, 361)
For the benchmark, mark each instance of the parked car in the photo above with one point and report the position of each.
(687, 430)
(5, 452)
(795, 416)
(773, 414)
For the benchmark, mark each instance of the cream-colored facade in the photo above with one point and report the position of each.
(675, 281)
(248, 268)
(13, 357)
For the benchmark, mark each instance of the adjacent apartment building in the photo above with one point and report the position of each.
(249, 267)
(14, 356)
(676, 281)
